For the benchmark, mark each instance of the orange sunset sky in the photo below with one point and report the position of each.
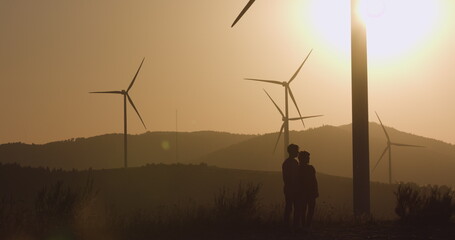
(53, 52)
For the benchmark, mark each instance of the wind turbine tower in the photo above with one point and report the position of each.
(125, 126)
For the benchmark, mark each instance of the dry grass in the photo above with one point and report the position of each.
(424, 205)
(63, 212)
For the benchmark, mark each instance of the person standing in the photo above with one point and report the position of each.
(308, 189)
(290, 178)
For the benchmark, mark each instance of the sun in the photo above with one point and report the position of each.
(398, 27)
(395, 28)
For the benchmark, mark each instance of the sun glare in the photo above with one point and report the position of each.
(395, 28)
(398, 27)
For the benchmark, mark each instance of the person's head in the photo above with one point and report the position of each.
(293, 150)
(304, 157)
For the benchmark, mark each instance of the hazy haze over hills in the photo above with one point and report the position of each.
(106, 151)
(330, 149)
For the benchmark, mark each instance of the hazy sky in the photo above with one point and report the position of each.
(53, 52)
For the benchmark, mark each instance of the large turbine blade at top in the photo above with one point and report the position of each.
(262, 80)
(382, 155)
(132, 104)
(295, 103)
(305, 117)
(281, 112)
(115, 92)
(279, 135)
(248, 5)
(383, 128)
(298, 70)
(404, 145)
(134, 79)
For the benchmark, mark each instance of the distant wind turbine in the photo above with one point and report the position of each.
(287, 91)
(389, 149)
(286, 123)
(127, 96)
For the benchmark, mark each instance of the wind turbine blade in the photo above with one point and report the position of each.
(301, 65)
(383, 128)
(115, 92)
(279, 135)
(299, 118)
(281, 112)
(248, 5)
(405, 145)
(382, 155)
(134, 79)
(295, 103)
(262, 80)
(132, 104)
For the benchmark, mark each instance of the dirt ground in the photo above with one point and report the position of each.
(377, 231)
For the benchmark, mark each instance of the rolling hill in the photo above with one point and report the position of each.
(106, 151)
(330, 149)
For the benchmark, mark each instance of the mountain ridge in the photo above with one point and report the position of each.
(330, 147)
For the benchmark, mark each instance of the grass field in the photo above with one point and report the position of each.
(184, 202)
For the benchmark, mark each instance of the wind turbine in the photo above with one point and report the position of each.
(389, 149)
(287, 91)
(285, 123)
(360, 123)
(127, 96)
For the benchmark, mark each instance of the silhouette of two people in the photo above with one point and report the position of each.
(300, 187)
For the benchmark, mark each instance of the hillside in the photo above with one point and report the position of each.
(155, 186)
(106, 151)
(331, 147)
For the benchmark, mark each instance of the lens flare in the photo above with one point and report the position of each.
(165, 145)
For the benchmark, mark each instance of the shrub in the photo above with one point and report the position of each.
(408, 201)
(58, 205)
(13, 217)
(424, 205)
(238, 207)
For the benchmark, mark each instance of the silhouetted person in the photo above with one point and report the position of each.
(290, 179)
(307, 189)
